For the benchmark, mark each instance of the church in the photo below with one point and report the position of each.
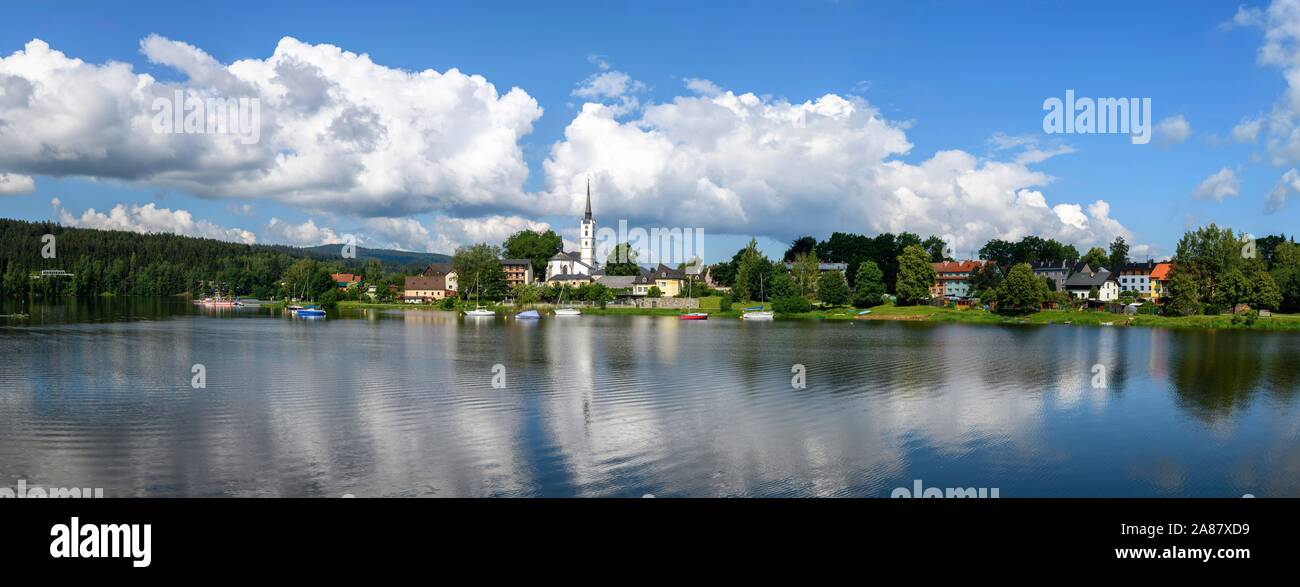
(570, 266)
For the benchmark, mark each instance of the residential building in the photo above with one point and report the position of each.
(951, 278)
(570, 279)
(345, 280)
(1057, 271)
(1136, 277)
(444, 270)
(582, 262)
(670, 282)
(1081, 282)
(621, 284)
(517, 271)
(425, 288)
(1160, 280)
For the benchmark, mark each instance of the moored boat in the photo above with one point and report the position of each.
(568, 312)
(528, 315)
(310, 312)
(693, 316)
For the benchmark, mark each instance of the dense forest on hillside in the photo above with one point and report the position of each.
(108, 262)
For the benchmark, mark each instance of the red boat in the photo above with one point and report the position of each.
(693, 316)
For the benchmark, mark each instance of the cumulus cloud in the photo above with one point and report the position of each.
(12, 184)
(1280, 23)
(743, 163)
(338, 132)
(1286, 187)
(1218, 186)
(1247, 131)
(149, 218)
(1172, 130)
(616, 89)
(306, 234)
(457, 232)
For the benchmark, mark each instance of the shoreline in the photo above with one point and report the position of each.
(888, 313)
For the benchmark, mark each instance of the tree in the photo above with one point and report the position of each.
(750, 266)
(801, 245)
(1118, 254)
(915, 276)
(832, 290)
(1098, 259)
(538, 247)
(1184, 294)
(655, 292)
(329, 298)
(1266, 295)
(1020, 292)
(805, 272)
(984, 280)
(869, 285)
(622, 261)
(526, 293)
(935, 246)
(479, 266)
(999, 251)
(1286, 274)
(1233, 288)
(782, 286)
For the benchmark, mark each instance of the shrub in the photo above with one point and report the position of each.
(791, 305)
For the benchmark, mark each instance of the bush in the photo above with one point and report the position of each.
(448, 303)
(329, 299)
(791, 305)
(724, 303)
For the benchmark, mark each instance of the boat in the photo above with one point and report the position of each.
(757, 312)
(528, 315)
(310, 312)
(693, 316)
(566, 311)
(479, 311)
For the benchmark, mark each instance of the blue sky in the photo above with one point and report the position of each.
(951, 75)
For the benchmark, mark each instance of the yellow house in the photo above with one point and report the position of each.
(671, 282)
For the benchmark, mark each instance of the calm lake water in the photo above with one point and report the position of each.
(402, 403)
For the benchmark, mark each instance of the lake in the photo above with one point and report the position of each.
(403, 403)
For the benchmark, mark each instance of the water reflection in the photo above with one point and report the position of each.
(402, 403)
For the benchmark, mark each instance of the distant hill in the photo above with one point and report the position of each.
(383, 255)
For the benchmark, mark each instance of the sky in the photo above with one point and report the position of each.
(427, 126)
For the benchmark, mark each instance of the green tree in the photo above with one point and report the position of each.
(655, 292)
(805, 273)
(1184, 294)
(791, 305)
(1118, 254)
(869, 285)
(1021, 292)
(1233, 288)
(1097, 259)
(750, 265)
(622, 261)
(535, 246)
(832, 290)
(479, 266)
(935, 246)
(782, 286)
(1266, 295)
(984, 281)
(803, 244)
(526, 293)
(915, 276)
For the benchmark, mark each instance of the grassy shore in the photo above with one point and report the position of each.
(918, 314)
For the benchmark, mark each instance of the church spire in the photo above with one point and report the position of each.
(588, 216)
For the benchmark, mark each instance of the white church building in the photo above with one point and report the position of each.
(567, 265)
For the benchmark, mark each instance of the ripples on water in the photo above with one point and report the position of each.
(401, 403)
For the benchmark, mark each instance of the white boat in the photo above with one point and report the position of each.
(479, 311)
(757, 312)
(566, 311)
(528, 315)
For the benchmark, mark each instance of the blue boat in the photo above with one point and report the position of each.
(528, 315)
(310, 312)
(754, 309)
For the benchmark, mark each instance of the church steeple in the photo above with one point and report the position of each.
(588, 216)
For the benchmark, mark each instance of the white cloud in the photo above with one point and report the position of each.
(150, 219)
(1218, 186)
(1287, 186)
(743, 164)
(615, 89)
(1281, 49)
(1247, 131)
(457, 232)
(702, 87)
(1173, 130)
(12, 184)
(338, 131)
(307, 234)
